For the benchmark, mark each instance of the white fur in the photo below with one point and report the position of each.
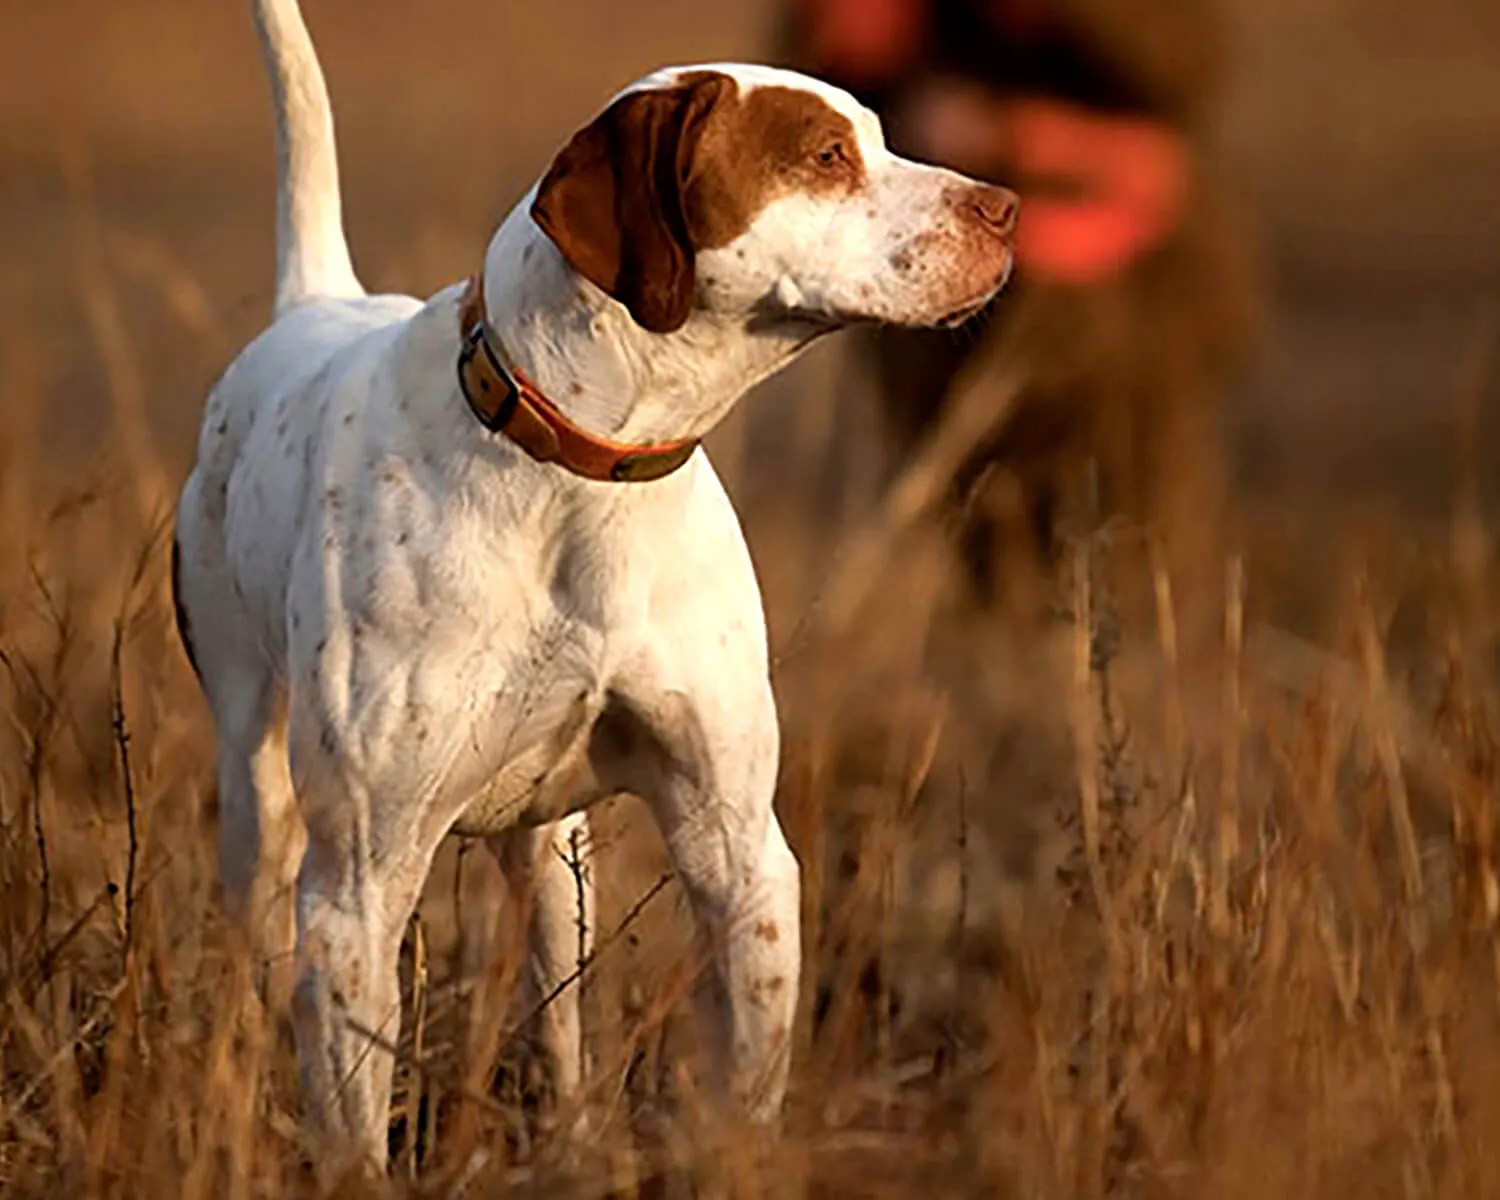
(312, 257)
(404, 626)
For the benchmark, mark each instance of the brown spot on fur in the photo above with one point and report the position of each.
(666, 172)
(767, 931)
(755, 148)
(764, 991)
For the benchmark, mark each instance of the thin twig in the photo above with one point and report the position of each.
(416, 1093)
(375, 1040)
(580, 892)
(120, 728)
(121, 732)
(40, 736)
(38, 828)
(564, 984)
(378, 1041)
(48, 957)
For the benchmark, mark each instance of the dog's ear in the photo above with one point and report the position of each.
(612, 201)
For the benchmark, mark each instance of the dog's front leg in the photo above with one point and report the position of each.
(702, 751)
(355, 892)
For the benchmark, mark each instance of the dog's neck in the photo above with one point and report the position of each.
(598, 366)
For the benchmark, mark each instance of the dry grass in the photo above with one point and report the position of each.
(1259, 952)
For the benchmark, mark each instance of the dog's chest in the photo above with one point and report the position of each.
(542, 779)
(545, 704)
(519, 639)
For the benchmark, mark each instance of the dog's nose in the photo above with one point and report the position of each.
(997, 207)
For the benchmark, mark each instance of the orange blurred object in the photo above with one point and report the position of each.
(1128, 184)
(864, 41)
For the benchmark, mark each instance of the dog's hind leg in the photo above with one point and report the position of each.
(260, 833)
(550, 872)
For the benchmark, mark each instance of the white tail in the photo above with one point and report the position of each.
(312, 254)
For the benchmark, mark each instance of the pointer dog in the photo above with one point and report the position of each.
(459, 565)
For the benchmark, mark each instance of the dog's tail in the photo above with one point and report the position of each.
(312, 254)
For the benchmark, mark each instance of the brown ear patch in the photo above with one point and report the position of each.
(773, 140)
(612, 199)
(666, 172)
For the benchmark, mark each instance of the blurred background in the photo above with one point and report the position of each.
(1365, 135)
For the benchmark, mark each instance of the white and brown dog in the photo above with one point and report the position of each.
(458, 565)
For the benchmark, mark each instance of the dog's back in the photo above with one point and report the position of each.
(262, 453)
(260, 448)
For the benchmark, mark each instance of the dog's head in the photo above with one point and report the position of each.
(740, 190)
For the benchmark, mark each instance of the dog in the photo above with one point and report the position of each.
(461, 565)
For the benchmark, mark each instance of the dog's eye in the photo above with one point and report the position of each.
(831, 155)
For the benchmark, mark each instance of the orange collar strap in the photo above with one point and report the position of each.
(505, 401)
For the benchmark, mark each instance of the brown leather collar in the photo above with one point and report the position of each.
(505, 401)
